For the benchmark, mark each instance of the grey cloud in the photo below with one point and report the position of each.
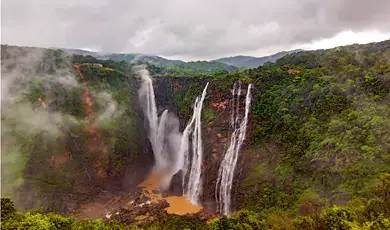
(196, 28)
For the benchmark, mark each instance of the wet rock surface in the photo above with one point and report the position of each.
(142, 208)
(137, 208)
(216, 130)
(176, 187)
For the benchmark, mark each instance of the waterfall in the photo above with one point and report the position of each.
(228, 164)
(156, 125)
(163, 131)
(192, 163)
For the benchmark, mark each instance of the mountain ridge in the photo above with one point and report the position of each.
(253, 62)
(240, 61)
(315, 155)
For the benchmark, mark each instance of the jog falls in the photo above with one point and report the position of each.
(100, 142)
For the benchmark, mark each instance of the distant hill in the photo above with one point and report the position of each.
(229, 64)
(171, 65)
(128, 57)
(252, 62)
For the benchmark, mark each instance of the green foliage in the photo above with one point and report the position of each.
(7, 208)
(197, 69)
(209, 115)
(118, 130)
(33, 134)
(305, 223)
(380, 204)
(178, 222)
(125, 64)
(10, 219)
(338, 218)
(382, 190)
(98, 225)
(54, 221)
(380, 223)
(243, 219)
(327, 114)
(38, 221)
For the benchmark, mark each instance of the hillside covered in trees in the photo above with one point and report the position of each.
(317, 156)
(165, 66)
(254, 62)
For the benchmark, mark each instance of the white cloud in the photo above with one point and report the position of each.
(196, 29)
(348, 37)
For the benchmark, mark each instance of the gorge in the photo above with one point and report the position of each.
(188, 157)
(298, 143)
(228, 164)
(192, 166)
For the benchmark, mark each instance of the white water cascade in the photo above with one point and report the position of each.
(226, 170)
(163, 131)
(191, 161)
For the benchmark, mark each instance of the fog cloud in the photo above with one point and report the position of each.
(195, 28)
(34, 87)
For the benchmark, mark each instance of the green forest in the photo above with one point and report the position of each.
(320, 140)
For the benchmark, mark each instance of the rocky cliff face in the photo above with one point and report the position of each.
(178, 94)
(67, 138)
(73, 167)
(129, 157)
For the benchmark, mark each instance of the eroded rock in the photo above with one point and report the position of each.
(139, 210)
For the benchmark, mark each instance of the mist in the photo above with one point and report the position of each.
(37, 113)
(163, 130)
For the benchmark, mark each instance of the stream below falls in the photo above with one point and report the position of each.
(179, 205)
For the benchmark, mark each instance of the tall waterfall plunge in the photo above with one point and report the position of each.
(163, 132)
(192, 157)
(172, 150)
(226, 170)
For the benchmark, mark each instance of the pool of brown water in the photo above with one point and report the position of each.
(179, 205)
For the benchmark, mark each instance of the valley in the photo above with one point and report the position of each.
(301, 142)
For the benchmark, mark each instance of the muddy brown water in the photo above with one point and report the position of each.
(179, 205)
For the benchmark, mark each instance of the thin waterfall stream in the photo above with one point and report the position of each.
(192, 180)
(228, 164)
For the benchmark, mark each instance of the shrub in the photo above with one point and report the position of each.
(179, 222)
(338, 218)
(304, 223)
(380, 223)
(7, 208)
(243, 219)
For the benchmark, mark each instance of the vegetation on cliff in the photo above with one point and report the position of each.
(164, 66)
(47, 158)
(322, 130)
(372, 216)
(320, 137)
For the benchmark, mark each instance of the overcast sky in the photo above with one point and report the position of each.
(194, 29)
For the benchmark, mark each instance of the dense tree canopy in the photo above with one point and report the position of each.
(320, 143)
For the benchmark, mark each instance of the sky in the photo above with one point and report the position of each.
(194, 29)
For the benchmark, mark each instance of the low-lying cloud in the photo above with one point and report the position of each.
(36, 109)
(195, 28)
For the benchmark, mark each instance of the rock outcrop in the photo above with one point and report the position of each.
(178, 94)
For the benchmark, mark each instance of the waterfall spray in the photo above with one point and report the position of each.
(170, 155)
(156, 125)
(191, 166)
(163, 131)
(228, 164)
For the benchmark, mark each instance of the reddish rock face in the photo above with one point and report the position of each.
(220, 106)
(60, 159)
(293, 71)
(216, 142)
(216, 133)
(96, 143)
